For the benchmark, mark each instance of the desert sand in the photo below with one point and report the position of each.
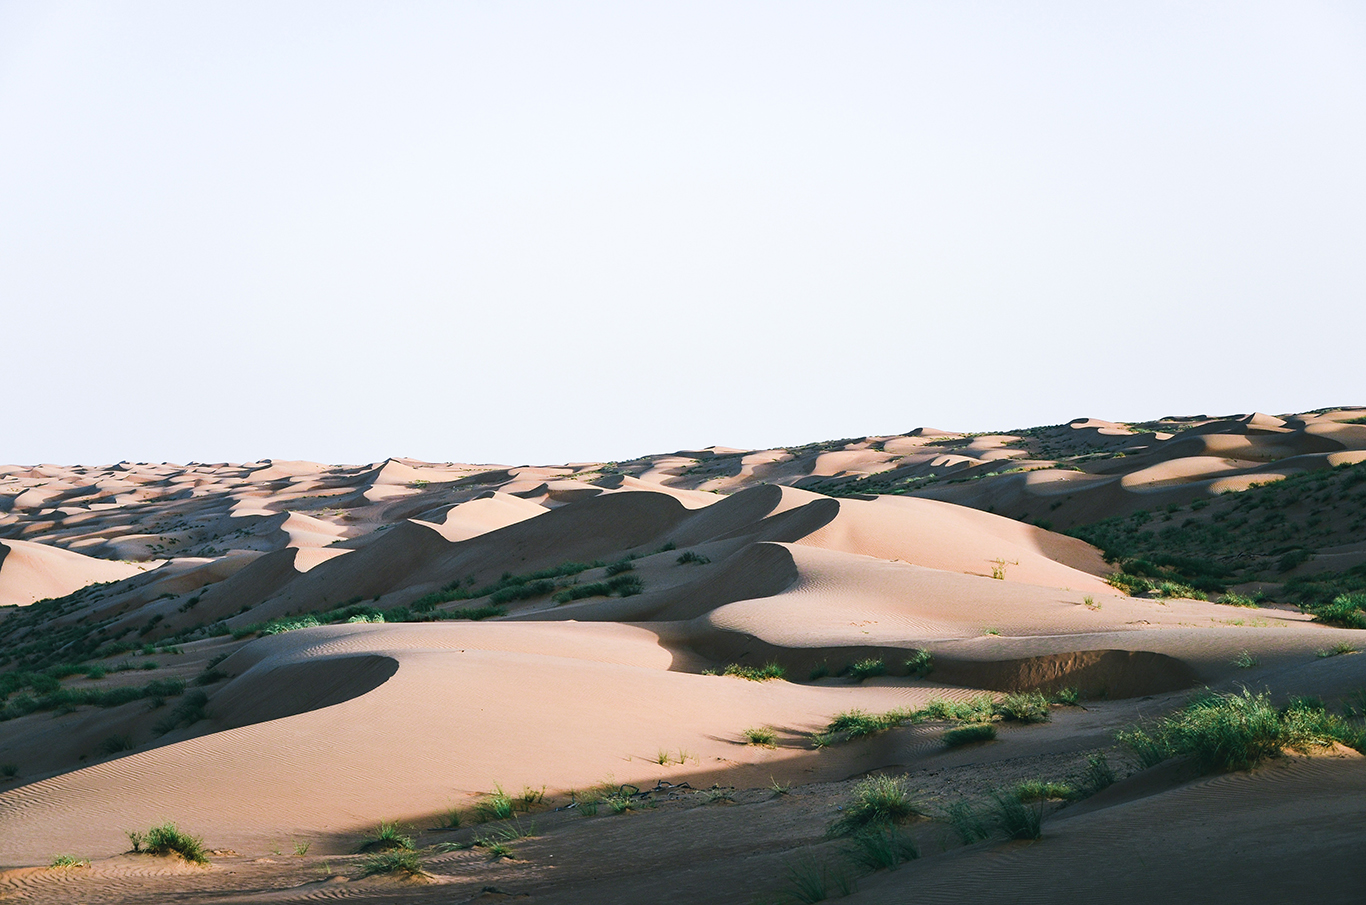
(813, 558)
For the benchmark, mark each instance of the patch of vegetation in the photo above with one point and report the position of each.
(1099, 774)
(69, 861)
(168, 839)
(883, 848)
(867, 669)
(387, 837)
(878, 801)
(1068, 697)
(1259, 534)
(967, 735)
(619, 586)
(763, 736)
(392, 862)
(1221, 733)
(1337, 650)
(1346, 610)
(52, 695)
(967, 822)
(1023, 707)
(1017, 819)
(1040, 790)
(689, 556)
(763, 673)
(189, 711)
(116, 744)
(497, 806)
(920, 664)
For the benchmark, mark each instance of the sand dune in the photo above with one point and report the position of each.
(614, 594)
(30, 572)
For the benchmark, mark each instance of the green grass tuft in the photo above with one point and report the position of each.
(867, 669)
(883, 847)
(1017, 819)
(920, 664)
(878, 801)
(69, 861)
(756, 673)
(392, 862)
(763, 736)
(387, 837)
(1223, 733)
(168, 839)
(1039, 790)
(967, 735)
(1024, 707)
(1099, 774)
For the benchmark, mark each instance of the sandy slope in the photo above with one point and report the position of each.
(316, 734)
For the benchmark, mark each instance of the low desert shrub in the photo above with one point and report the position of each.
(967, 822)
(116, 744)
(498, 806)
(1024, 707)
(689, 556)
(392, 862)
(1017, 819)
(1039, 790)
(387, 837)
(1069, 697)
(1098, 774)
(878, 801)
(978, 709)
(756, 673)
(1337, 650)
(920, 664)
(883, 847)
(762, 736)
(1227, 732)
(69, 861)
(168, 839)
(1346, 610)
(967, 735)
(867, 669)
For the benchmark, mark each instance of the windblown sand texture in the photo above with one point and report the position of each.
(315, 735)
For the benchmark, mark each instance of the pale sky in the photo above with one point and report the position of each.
(543, 232)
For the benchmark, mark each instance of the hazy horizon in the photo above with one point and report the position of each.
(523, 233)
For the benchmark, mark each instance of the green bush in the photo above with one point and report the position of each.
(1346, 610)
(883, 847)
(763, 673)
(867, 669)
(966, 735)
(1039, 790)
(920, 664)
(387, 837)
(878, 801)
(1017, 819)
(1025, 707)
(168, 839)
(1222, 733)
(763, 736)
(392, 862)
